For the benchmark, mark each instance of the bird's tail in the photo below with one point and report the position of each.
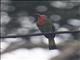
(52, 44)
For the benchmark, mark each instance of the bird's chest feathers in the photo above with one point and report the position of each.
(46, 26)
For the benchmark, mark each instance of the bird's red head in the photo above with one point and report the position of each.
(41, 19)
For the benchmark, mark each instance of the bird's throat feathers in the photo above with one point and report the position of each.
(41, 20)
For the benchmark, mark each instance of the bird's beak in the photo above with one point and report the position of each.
(36, 17)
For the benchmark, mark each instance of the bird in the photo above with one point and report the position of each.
(45, 25)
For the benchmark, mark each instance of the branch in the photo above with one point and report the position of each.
(38, 34)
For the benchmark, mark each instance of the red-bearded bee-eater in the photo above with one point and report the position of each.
(46, 26)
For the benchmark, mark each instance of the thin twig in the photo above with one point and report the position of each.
(38, 34)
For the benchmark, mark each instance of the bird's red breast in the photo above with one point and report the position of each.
(41, 19)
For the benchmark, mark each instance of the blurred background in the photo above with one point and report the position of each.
(17, 18)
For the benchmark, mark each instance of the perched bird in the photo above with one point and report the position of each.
(46, 26)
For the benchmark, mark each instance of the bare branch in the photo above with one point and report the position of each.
(38, 34)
